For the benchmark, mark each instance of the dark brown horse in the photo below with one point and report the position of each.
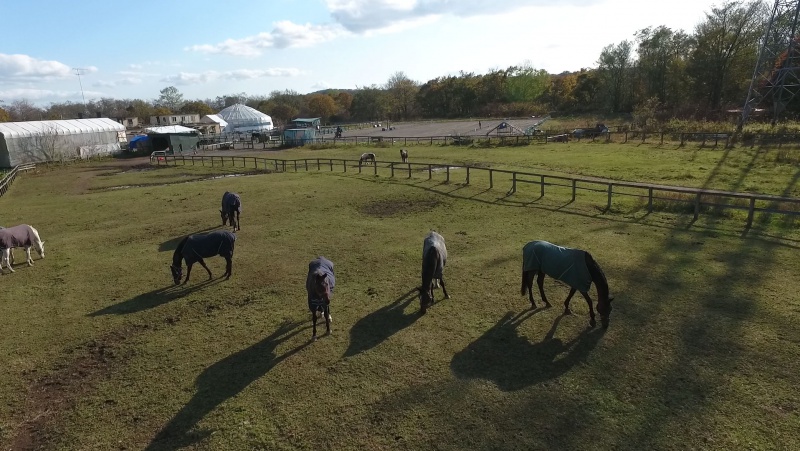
(434, 258)
(320, 283)
(574, 267)
(404, 155)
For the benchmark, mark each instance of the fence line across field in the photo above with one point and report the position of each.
(10, 176)
(699, 197)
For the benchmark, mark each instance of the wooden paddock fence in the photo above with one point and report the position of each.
(695, 198)
(8, 178)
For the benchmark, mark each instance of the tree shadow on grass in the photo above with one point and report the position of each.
(172, 243)
(375, 328)
(513, 362)
(153, 299)
(222, 381)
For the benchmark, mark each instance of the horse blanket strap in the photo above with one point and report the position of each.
(231, 202)
(219, 242)
(436, 241)
(561, 263)
(320, 263)
(17, 236)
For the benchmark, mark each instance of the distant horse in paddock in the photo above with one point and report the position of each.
(23, 236)
(366, 157)
(194, 248)
(231, 206)
(404, 155)
(434, 258)
(320, 282)
(574, 267)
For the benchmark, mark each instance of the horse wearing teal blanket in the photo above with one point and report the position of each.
(574, 267)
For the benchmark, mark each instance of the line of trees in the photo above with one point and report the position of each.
(659, 71)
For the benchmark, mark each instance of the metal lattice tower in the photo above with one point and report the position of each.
(776, 78)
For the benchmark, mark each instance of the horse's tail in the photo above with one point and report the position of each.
(522, 290)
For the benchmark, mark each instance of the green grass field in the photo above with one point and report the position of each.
(100, 351)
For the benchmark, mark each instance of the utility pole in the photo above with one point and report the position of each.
(776, 77)
(81, 71)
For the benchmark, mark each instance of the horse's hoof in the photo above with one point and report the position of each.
(447, 297)
(314, 338)
(567, 311)
(592, 323)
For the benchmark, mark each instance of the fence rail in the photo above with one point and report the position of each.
(697, 198)
(8, 178)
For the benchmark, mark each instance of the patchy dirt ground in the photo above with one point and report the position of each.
(398, 207)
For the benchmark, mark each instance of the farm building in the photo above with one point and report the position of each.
(301, 122)
(173, 138)
(212, 124)
(39, 141)
(243, 119)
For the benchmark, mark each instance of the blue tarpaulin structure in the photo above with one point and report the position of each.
(134, 142)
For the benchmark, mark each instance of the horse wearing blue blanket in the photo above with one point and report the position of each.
(320, 282)
(574, 267)
(231, 208)
(194, 248)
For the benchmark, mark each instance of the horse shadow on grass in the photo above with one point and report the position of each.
(375, 328)
(222, 381)
(172, 243)
(155, 298)
(513, 362)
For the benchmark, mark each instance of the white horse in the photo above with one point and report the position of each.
(23, 236)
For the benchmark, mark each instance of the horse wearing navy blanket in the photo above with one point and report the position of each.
(22, 235)
(320, 282)
(231, 205)
(574, 267)
(434, 258)
(194, 248)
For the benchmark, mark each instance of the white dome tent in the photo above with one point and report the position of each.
(243, 119)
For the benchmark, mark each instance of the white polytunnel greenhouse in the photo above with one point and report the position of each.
(243, 119)
(39, 141)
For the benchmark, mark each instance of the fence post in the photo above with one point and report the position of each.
(696, 206)
(751, 211)
(359, 167)
(448, 174)
(626, 138)
(467, 175)
(430, 172)
(391, 165)
(409, 170)
(574, 187)
(344, 165)
(331, 162)
(542, 185)
(491, 180)
(649, 200)
(513, 182)
(306, 161)
(318, 165)
(608, 205)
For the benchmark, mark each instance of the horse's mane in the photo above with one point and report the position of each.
(178, 255)
(598, 277)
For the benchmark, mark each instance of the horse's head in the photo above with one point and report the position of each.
(322, 287)
(425, 298)
(39, 246)
(224, 217)
(177, 273)
(604, 309)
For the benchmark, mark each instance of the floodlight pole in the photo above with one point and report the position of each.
(80, 71)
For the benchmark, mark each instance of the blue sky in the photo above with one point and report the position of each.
(210, 48)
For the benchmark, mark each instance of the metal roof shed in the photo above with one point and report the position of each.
(39, 141)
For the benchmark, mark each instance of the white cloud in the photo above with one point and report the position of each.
(45, 94)
(191, 78)
(128, 81)
(285, 34)
(26, 67)
(320, 85)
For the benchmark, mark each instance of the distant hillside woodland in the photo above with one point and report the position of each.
(660, 73)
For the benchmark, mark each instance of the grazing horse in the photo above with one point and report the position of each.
(574, 267)
(320, 282)
(22, 235)
(231, 205)
(404, 155)
(434, 258)
(194, 248)
(366, 157)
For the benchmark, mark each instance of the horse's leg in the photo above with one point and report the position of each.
(592, 322)
(188, 270)
(327, 312)
(540, 282)
(228, 267)
(446, 296)
(238, 224)
(566, 303)
(28, 256)
(314, 324)
(206, 267)
(4, 260)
